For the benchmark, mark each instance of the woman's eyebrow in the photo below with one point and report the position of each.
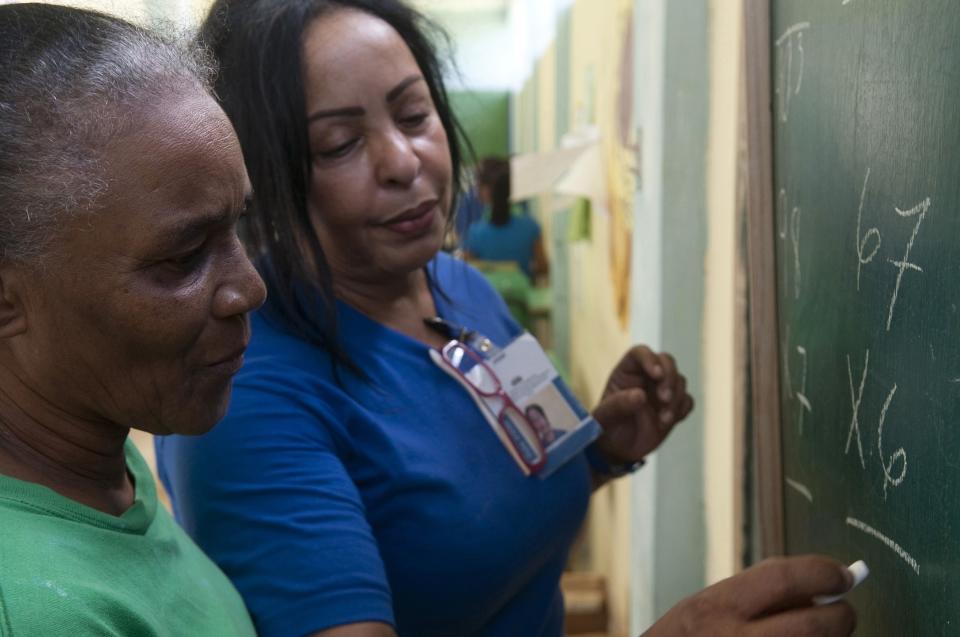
(398, 90)
(185, 230)
(357, 111)
(346, 111)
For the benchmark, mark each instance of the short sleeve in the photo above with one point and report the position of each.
(267, 496)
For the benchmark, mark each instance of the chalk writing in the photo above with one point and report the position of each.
(863, 240)
(903, 264)
(887, 465)
(799, 488)
(802, 394)
(795, 241)
(896, 548)
(788, 225)
(783, 228)
(789, 73)
(785, 360)
(782, 213)
(855, 403)
(853, 433)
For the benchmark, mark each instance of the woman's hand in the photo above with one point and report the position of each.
(769, 600)
(644, 398)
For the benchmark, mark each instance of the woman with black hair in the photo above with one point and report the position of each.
(354, 487)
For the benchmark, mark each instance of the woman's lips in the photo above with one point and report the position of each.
(228, 366)
(415, 221)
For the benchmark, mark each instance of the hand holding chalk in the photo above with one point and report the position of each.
(770, 599)
(858, 570)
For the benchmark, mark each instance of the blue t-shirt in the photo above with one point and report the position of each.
(383, 500)
(513, 241)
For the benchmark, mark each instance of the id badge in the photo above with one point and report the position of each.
(524, 400)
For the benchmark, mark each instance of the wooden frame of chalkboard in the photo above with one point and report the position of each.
(764, 354)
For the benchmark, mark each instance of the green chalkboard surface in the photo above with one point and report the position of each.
(866, 178)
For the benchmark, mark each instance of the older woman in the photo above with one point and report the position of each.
(355, 488)
(123, 298)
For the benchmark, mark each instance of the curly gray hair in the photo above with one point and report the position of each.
(71, 81)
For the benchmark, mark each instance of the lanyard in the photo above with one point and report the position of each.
(477, 341)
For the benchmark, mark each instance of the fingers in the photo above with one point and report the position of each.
(630, 426)
(834, 620)
(670, 390)
(626, 406)
(641, 362)
(657, 374)
(650, 362)
(674, 401)
(772, 599)
(784, 583)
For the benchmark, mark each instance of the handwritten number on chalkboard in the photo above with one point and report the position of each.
(782, 213)
(790, 227)
(855, 403)
(796, 91)
(802, 394)
(795, 240)
(888, 479)
(783, 227)
(863, 240)
(903, 264)
(886, 463)
(787, 86)
(803, 403)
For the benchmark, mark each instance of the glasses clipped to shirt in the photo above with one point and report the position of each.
(522, 438)
(536, 417)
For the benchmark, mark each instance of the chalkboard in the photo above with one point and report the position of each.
(864, 199)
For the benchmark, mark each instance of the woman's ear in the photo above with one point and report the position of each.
(13, 318)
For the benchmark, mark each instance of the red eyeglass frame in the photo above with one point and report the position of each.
(508, 404)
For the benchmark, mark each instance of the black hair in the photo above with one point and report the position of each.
(71, 80)
(258, 44)
(494, 173)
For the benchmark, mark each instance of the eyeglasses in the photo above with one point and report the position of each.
(521, 434)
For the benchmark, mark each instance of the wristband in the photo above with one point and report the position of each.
(600, 465)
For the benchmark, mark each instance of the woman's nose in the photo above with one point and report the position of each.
(397, 162)
(242, 290)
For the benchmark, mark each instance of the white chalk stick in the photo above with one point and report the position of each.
(859, 571)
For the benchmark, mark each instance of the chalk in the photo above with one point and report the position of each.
(859, 571)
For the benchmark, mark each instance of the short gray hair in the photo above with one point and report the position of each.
(72, 80)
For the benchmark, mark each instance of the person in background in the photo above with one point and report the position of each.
(354, 488)
(124, 292)
(469, 211)
(502, 235)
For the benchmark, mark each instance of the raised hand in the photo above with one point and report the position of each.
(645, 397)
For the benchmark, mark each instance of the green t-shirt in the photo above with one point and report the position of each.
(67, 569)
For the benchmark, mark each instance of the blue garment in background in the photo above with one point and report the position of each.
(513, 241)
(469, 211)
(390, 500)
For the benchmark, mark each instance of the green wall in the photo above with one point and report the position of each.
(679, 521)
(485, 117)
